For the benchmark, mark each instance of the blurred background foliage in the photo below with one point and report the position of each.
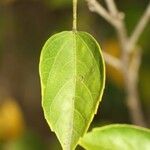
(24, 27)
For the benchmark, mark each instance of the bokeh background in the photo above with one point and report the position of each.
(25, 25)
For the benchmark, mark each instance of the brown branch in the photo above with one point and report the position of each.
(96, 7)
(114, 18)
(112, 7)
(133, 101)
(120, 26)
(112, 61)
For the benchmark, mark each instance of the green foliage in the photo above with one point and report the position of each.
(72, 79)
(117, 137)
(29, 141)
(58, 3)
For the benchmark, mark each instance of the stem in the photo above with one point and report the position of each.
(112, 7)
(113, 61)
(134, 106)
(132, 98)
(75, 15)
(131, 78)
(94, 6)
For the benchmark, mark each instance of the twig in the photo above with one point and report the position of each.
(139, 28)
(113, 61)
(94, 6)
(133, 101)
(112, 7)
(135, 64)
(120, 26)
(114, 18)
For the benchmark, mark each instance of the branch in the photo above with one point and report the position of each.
(139, 28)
(135, 64)
(133, 101)
(120, 26)
(113, 61)
(96, 7)
(112, 7)
(115, 18)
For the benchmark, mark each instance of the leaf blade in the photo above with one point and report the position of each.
(116, 137)
(72, 79)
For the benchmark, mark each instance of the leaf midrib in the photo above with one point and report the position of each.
(73, 99)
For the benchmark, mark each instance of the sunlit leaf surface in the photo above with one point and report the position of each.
(72, 79)
(117, 137)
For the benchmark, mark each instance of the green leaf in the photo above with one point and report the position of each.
(72, 79)
(117, 137)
